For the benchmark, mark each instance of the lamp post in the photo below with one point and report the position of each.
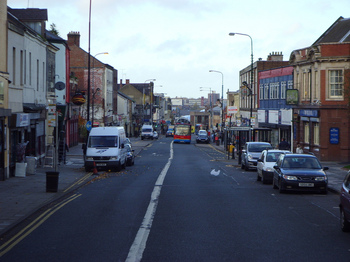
(222, 97)
(211, 105)
(88, 84)
(93, 86)
(143, 98)
(251, 75)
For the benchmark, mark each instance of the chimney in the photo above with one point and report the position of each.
(275, 56)
(127, 81)
(73, 38)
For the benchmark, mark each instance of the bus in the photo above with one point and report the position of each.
(182, 133)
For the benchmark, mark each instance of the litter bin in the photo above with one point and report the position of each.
(52, 181)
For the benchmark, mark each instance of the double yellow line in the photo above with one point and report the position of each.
(34, 225)
(80, 181)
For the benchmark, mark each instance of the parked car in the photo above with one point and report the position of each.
(130, 156)
(155, 135)
(344, 205)
(146, 132)
(202, 137)
(265, 164)
(301, 172)
(251, 152)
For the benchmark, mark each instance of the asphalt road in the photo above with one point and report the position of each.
(183, 203)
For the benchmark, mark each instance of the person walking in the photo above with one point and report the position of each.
(299, 150)
(284, 145)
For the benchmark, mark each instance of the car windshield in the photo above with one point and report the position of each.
(103, 141)
(147, 130)
(258, 147)
(272, 156)
(202, 132)
(301, 162)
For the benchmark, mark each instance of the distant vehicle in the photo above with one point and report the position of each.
(130, 156)
(170, 131)
(251, 152)
(147, 132)
(182, 133)
(155, 135)
(105, 149)
(265, 164)
(202, 137)
(301, 172)
(344, 205)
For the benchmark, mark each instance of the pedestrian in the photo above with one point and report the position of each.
(299, 150)
(284, 145)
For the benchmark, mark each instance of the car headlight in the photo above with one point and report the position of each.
(286, 177)
(250, 157)
(114, 158)
(320, 178)
(269, 169)
(89, 158)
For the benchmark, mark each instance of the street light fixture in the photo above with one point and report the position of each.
(211, 105)
(222, 97)
(251, 75)
(93, 86)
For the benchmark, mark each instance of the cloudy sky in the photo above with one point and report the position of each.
(177, 42)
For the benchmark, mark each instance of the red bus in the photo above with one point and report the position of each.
(182, 133)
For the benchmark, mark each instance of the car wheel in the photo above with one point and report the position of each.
(242, 166)
(246, 167)
(258, 178)
(344, 224)
(263, 179)
(273, 184)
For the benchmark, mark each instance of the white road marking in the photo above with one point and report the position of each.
(139, 244)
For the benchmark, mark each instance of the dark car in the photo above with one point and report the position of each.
(302, 172)
(202, 137)
(344, 205)
(130, 156)
(251, 153)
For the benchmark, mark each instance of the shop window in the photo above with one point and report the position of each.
(316, 134)
(306, 132)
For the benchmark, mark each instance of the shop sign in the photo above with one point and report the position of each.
(78, 99)
(22, 120)
(334, 135)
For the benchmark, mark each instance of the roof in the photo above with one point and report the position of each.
(338, 32)
(29, 14)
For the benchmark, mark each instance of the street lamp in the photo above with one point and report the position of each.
(93, 86)
(211, 106)
(143, 97)
(222, 97)
(251, 75)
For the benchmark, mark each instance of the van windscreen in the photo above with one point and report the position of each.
(103, 141)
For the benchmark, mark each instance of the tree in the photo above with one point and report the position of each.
(53, 29)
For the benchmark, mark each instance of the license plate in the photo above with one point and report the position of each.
(306, 184)
(101, 164)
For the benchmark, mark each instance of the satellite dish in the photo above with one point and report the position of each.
(60, 85)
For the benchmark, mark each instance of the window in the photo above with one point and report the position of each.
(14, 66)
(37, 75)
(290, 84)
(266, 91)
(316, 134)
(335, 81)
(306, 132)
(274, 90)
(21, 68)
(30, 68)
(283, 89)
(261, 91)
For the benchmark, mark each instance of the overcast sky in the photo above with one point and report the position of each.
(177, 42)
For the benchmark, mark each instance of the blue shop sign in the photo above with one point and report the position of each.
(334, 135)
(308, 113)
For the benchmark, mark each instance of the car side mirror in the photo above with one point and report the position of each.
(122, 145)
(276, 167)
(260, 160)
(83, 146)
(325, 168)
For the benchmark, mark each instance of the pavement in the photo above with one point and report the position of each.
(22, 196)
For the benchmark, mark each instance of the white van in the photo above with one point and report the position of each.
(105, 149)
(147, 132)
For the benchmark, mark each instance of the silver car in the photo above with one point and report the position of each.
(251, 153)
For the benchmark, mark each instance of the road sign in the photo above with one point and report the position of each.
(88, 125)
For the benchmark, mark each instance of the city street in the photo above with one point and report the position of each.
(180, 202)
